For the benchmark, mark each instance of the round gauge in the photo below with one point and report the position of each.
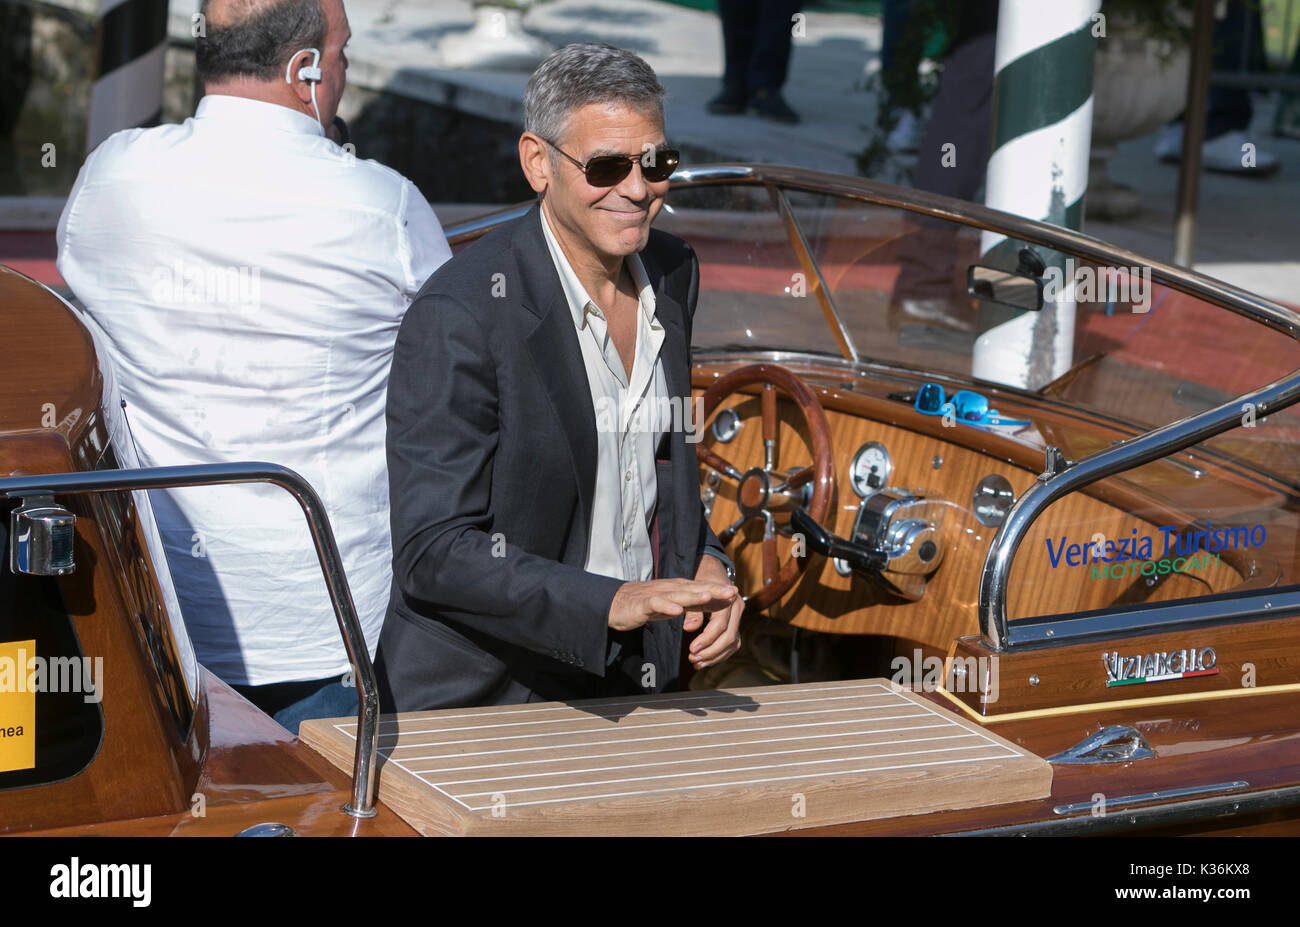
(871, 469)
(727, 425)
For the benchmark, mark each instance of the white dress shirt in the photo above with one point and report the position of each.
(632, 414)
(248, 277)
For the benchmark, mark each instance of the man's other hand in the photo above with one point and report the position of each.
(658, 599)
(720, 638)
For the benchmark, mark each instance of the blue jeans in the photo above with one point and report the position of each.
(291, 703)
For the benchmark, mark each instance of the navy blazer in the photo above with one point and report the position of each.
(492, 467)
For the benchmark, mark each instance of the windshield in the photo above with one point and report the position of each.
(798, 271)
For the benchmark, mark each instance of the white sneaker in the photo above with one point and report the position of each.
(1169, 147)
(906, 134)
(1235, 153)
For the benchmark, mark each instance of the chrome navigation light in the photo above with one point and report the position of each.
(41, 536)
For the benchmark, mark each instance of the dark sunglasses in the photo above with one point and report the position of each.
(608, 170)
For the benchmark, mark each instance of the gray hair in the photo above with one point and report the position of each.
(258, 38)
(583, 73)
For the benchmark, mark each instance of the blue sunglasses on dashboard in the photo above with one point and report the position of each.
(968, 407)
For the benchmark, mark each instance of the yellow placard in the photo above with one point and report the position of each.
(17, 707)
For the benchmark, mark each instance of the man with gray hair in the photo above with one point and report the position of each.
(246, 277)
(548, 534)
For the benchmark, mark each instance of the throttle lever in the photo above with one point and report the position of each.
(856, 555)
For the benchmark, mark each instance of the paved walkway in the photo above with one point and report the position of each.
(395, 46)
(1248, 227)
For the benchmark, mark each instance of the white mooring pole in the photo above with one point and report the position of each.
(1042, 132)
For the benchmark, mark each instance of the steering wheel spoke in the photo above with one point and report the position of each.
(771, 427)
(729, 532)
(717, 462)
(795, 480)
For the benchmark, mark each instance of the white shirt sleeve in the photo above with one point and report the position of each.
(421, 243)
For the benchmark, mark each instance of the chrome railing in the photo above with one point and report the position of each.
(354, 642)
(1126, 455)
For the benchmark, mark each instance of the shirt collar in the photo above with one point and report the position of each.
(576, 294)
(256, 114)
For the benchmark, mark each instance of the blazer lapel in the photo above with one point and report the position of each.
(675, 352)
(556, 355)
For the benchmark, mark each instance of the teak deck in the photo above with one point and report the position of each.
(729, 762)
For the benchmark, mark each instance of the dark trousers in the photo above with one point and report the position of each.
(963, 108)
(895, 15)
(962, 114)
(756, 38)
(1238, 46)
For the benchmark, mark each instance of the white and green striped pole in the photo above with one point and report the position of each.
(1042, 132)
(131, 40)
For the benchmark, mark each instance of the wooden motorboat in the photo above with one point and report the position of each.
(1061, 600)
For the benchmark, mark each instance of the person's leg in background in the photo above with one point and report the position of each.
(904, 127)
(930, 290)
(1238, 46)
(894, 18)
(962, 113)
(769, 61)
(739, 21)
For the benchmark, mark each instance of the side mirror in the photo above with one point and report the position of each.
(1017, 290)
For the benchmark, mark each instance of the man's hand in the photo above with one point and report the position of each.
(658, 599)
(720, 638)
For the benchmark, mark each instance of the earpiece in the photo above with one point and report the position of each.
(308, 72)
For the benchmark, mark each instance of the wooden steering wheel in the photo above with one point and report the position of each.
(763, 491)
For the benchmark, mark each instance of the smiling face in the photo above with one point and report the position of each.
(604, 224)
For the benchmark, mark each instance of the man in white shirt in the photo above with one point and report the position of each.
(247, 277)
